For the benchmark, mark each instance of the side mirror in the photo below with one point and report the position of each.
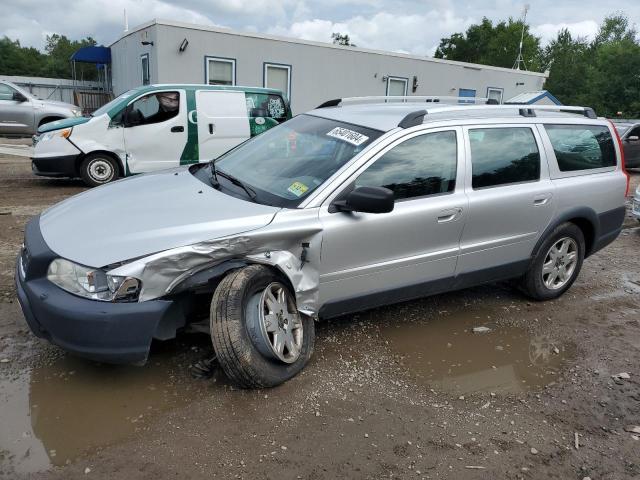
(18, 97)
(633, 138)
(367, 200)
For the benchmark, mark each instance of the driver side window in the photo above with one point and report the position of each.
(6, 92)
(153, 108)
(423, 165)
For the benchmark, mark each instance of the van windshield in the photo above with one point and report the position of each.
(288, 162)
(108, 106)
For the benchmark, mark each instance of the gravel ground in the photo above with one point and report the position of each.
(407, 391)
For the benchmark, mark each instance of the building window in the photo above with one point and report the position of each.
(144, 62)
(494, 93)
(397, 86)
(278, 76)
(220, 71)
(466, 93)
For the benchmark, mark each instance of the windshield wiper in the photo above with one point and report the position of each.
(213, 175)
(250, 192)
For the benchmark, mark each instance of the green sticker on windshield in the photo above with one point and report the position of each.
(298, 189)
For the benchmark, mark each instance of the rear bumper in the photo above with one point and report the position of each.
(102, 331)
(61, 166)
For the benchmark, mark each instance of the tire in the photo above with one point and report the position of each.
(97, 169)
(541, 285)
(245, 351)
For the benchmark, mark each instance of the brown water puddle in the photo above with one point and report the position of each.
(445, 354)
(55, 413)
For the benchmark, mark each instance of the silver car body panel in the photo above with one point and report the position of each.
(143, 215)
(23, 118)
(164, 227)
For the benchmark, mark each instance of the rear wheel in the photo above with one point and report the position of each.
(259, 337)
(556, 264)
(98, 169)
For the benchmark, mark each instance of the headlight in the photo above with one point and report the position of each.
(64, 133)
(77, 113)
(92, 283)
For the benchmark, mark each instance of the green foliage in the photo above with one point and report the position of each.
(54, 62)
(603, 74)
(490, 44)
(340, 39)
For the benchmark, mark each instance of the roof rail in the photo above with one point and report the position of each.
(405, 99)
(412, 119)
(530, 110)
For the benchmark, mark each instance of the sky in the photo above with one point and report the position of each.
(414, 27)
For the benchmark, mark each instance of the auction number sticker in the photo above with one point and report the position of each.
(349, 136)
(298, 188)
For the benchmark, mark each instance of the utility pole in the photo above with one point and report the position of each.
(520, 59)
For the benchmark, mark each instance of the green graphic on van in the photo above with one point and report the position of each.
(191, 152)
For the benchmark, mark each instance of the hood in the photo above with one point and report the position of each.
(64, 123)
(146, 214)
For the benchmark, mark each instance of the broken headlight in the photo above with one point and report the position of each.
(92, 283)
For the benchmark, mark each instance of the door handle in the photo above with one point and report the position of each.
(541, 200)
(449, 215)
(212, 128)
(179, 128)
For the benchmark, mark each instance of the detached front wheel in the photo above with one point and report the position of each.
(260, 338)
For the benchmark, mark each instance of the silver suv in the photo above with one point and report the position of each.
(21, 113)
(348, 207)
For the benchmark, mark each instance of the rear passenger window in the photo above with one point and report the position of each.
(500, 156)
(423, 165)
(582, 147)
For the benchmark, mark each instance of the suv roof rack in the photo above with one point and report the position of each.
(406, 99)
(530, 110)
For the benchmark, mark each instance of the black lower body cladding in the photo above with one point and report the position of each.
(103, 331)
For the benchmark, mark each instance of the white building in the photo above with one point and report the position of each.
(308, 72)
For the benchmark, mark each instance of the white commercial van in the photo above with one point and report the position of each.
(155, 127)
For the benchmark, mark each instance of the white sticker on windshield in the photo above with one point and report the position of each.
(347, 135)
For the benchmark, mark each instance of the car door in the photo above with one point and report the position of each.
(155, 132)
(511, 199)
(16, 117)
(223, 122)
(631, 143)
(410, 251)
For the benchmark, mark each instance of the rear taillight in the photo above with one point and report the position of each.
(624, 168)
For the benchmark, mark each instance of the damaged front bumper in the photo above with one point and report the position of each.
(102, 331)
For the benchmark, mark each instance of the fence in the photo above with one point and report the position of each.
(60, 89)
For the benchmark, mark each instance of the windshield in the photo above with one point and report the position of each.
(288, 162)
(108, 106)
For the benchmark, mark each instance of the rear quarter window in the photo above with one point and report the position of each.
(582, 147)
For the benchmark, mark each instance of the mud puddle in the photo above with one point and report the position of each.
(55, 413)
(445, 354)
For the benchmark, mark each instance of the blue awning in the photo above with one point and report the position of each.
(99, 55)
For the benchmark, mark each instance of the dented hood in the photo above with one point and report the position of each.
(146, 214)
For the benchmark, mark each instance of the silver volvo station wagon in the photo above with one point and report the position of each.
(356, 204)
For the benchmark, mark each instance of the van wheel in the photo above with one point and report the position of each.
(556, 265)
(260, 338)
(98, 169)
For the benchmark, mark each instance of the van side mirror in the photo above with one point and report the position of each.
(367, 200)
(18, 97)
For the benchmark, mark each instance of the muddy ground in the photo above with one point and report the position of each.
(407, 391)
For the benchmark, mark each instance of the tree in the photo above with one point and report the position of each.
(55, 62)
(613, 83)
(490, 44)
(568, 62)
(340, 39)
